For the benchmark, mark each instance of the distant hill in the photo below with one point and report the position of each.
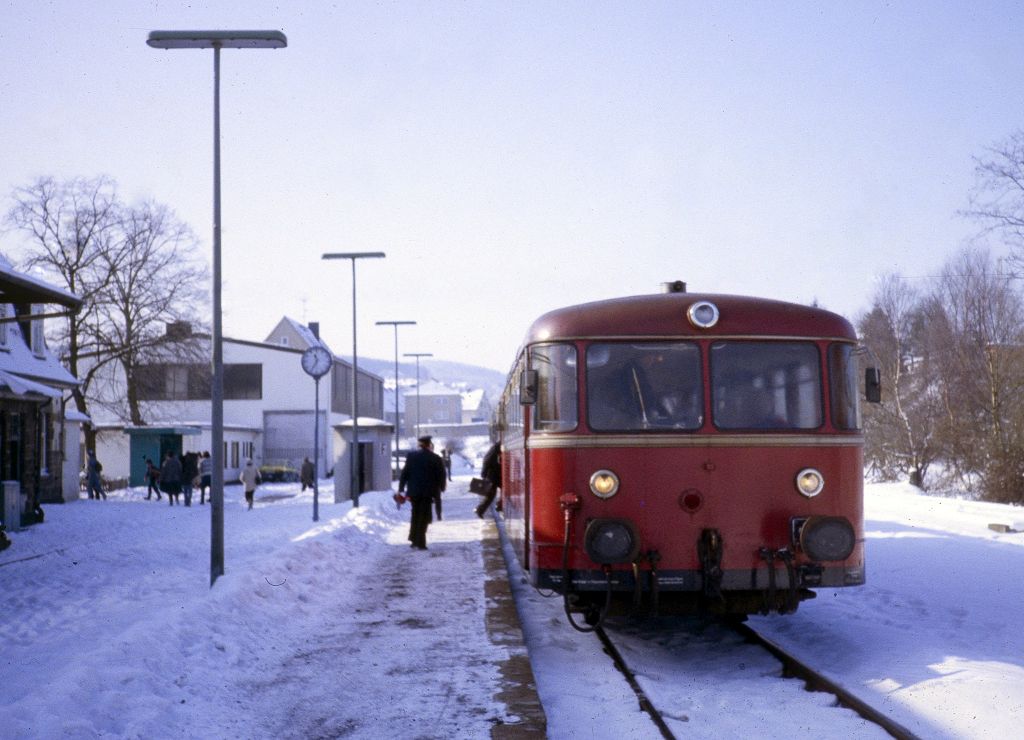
(455, 374)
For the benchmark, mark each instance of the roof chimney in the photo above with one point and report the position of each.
(314, 326)
(178, 330)
(676, 286)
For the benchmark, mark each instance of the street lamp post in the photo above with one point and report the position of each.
(396, 324)
(354, 462)
(217, 40)
(418, 355)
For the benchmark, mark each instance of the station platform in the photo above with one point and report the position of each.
(447, 593)
(519, 689)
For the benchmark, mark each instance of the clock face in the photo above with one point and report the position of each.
(316, 361)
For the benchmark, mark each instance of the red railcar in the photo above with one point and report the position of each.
(687, 453)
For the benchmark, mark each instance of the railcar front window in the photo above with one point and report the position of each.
(556, 409)
(649, 386)
(843, 382)
(766, 385)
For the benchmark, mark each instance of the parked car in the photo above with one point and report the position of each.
(278, 474)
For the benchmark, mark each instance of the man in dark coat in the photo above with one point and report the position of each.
(490, 470)
(424, 476)
(170, 477)
(189, 473)
(306, 474)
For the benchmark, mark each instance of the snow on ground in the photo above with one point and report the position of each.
(316, 630)
(338, 628)
(935, 637)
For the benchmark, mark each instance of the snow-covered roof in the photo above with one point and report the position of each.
(17, 287)
(471, 399)
(20, 360)
(366, 422)
(307, 334)
(17, 358)
(432, 388)
(24, 387)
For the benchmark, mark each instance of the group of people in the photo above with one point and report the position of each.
(425, 476)
(179, 475)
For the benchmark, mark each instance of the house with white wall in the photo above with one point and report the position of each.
(269, 406)
(476, 407)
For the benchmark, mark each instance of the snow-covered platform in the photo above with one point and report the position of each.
(316, 629)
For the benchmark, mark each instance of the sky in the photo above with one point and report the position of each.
(512, 158)
(336, 628)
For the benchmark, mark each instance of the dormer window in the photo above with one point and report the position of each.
(38, 339)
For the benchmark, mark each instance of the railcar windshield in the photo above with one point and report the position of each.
(766, 385)
(842, 368)
(644, 386)
(556, 409)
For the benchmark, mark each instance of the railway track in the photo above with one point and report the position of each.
(792, 667)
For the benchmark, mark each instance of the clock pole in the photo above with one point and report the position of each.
(316, 451)
(317, 362)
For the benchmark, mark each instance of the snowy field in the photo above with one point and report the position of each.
(338, 628)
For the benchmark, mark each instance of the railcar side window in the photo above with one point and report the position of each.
(555, 410)
(766, 385)
(843, 382)
(649, 386)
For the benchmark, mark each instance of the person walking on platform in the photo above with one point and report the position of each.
(93, 482)
(152, 479)
(444, 483)
(306, 474)
(205, 476)
(250, 476)
(446, 458)
(170, 477)
(490, 471)
(189, 473)
(424, 476)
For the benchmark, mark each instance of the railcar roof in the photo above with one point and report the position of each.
(664, 315)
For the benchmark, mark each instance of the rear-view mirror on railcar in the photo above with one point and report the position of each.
(528, 384)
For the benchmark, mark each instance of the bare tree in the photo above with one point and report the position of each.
(69, 225)
(134, 268)
(899, 433)
(155, 281)
(976, 321)
(997, 199)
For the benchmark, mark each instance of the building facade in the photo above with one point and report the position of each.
(37, 465)
(269, 407)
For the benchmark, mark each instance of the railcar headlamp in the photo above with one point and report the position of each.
(809, 482)
(703, 314)
(610, 541)
(604, 484)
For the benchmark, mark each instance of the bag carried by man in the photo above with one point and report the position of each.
(481, 486)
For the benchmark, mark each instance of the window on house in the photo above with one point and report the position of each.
(176, 382)
(44, 443)
(200, 380)
(5, 312)
(38, 340)
(243, 382)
